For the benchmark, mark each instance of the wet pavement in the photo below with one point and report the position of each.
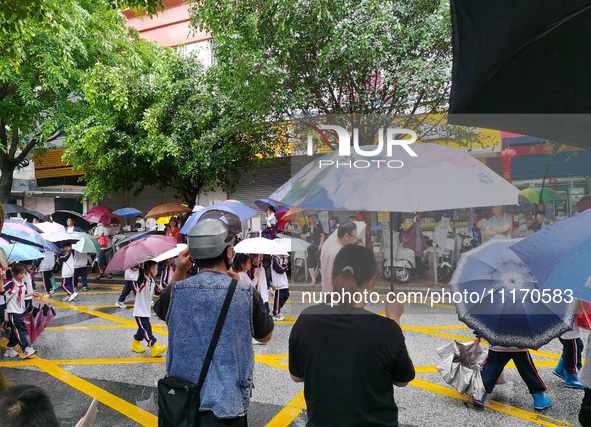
(85, 353)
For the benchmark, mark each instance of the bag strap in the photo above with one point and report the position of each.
(216, 334)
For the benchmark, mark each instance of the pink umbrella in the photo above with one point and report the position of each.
(99, 210)
(37, 318)
(140, 251)
(104, 218)
(51, 227)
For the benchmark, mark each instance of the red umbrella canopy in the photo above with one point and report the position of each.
(104, 218)
(99, 210)
(584, 204)
(140, 251)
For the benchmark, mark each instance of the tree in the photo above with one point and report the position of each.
(49, 46)
(169, 126)
(333, 57)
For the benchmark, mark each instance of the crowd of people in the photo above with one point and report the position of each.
(348, 358)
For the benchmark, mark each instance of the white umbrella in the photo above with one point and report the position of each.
(259, 245)
(173, 253)
(360, 228)
(51, 227)
(438, 178)
(291, 244)
(60, 237)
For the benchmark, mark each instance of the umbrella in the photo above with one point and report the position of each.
(543, 250)
(173, 253)
(533, 194)
(281, 211)
(292, 244)
(86, 244)
(61, 217)
(34, 214)
(242, 211)
(51, 227)
(438, 178)
(19, 252)
(572, 275)
(167, 209)
(12, 209)
(523, 206)
(36, 318)
(501, 299)
(584, 204)
(26, 224)
(61, 239)
(140, 251)
(493, 85)
(259, 245)
(264, 204)
(21, 233)
(128, 213)
(462, 365)
(197, 208)
(294, 213)
(360, 229)
(99, 210)
(3, 257)
(104, 218)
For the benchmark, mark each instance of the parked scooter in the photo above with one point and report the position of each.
(406, 266)
(449, 245)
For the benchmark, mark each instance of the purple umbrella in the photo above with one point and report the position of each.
(36, 318)
(140, 251)
(22, 233)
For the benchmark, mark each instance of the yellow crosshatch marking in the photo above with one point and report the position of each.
(290, 412)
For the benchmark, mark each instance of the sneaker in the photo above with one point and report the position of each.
(278, 318)
(480, 403)
(10, 352)
(109, 276)
(52, 291)
(100, 276)
(120, 304)
(74, 295)
(47, 296)
(255, 342)
(66, 298)
(84, 289)
(29, 351)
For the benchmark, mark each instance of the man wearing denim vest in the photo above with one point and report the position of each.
(191, 308)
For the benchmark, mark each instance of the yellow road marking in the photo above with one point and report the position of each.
(112, 401)
(289, 413)
(273, 360)
(496, 406)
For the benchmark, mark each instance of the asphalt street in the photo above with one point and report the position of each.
(85, 353)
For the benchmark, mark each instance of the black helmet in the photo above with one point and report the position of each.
(208, 238)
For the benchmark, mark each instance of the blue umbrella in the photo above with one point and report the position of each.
(20, 232)
(241, 211)
(264, 204)
(502, 301)
(573, 273)
(19, 252)
(127, 213)
(543, 250)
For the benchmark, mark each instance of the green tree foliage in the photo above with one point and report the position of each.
(166, 126)
(332, 57)
(47, 48)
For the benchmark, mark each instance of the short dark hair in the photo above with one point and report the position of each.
(272, 208)
(346, 228)
(239, 261)
(212, 262)
(16, 268)
(72, 218)
(26, 406)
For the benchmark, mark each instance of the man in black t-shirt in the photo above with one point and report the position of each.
(349, 364)
(313, 232)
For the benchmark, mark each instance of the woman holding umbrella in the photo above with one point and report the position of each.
(173, 229)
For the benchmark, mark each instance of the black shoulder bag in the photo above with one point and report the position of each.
(179, 399)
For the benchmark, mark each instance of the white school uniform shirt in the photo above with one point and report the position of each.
(68, 265)
(143, 298)
(15, 292)
(279, 279)
(80, 259)
(48, 262)
(132, 273)
(259, 281)
(244, 277)
(28, 281)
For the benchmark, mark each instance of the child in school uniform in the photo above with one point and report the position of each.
(29, 280)
(67, 260)
(131, 276)
(142, 308)
(258, 276)
(80, 269)
(241, 264)
(15, 291)
(280, 284)
(46, 270)
(167, 272)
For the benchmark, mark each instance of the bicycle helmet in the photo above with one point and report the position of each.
(208, 238)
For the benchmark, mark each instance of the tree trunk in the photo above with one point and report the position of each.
(6, 183)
